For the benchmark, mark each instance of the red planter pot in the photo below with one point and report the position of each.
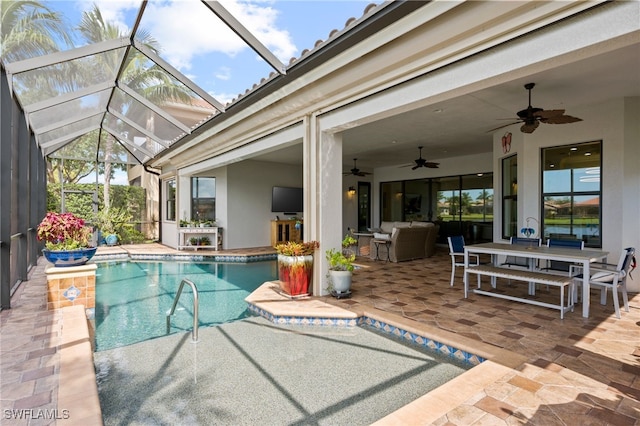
(295, 274)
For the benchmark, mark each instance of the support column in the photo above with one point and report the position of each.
(322, 154)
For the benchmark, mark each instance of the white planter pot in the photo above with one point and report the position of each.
(341, 281)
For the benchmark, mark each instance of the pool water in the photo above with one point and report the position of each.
(133, 298)
(253, 372)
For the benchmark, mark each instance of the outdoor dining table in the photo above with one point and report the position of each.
(581, 257)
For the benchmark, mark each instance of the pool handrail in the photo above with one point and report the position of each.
(194, 332)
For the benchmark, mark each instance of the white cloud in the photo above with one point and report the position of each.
(261, 21)
(223, 98)
(185, 30)
(223, 73)
(112, 10)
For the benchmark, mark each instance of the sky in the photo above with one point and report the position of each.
(195, 42)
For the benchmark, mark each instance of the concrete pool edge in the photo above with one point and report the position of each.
(267, 302)
(77, 387)
(497, 363)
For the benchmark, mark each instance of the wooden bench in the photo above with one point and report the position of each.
(528, 276)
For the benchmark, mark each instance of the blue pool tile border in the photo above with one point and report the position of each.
(423, 341)
(381, 326)
(188, 257)
(303, 320)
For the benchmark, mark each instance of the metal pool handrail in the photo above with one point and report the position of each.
(194, 332)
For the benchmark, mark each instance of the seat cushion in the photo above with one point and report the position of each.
(602, 277)
(381, 236)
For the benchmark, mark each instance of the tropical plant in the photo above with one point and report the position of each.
(30, 29)
(75, 161)
(338, 261)
(151, 82)
(349, 241)
(63, 231)
(111, 220)
(297, 248)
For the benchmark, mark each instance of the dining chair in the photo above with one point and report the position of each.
(609, 276)
(559, 266)
(456, 251)
(518, 261)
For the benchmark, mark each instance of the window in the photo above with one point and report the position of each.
(572, 192)
(448, 196)
(510, 197)
(203, 198)
(364, 206)
(391, 196)
(462, 205)
(170, 196)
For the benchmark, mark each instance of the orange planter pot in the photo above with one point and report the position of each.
(295, 274)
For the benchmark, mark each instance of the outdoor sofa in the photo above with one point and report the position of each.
(406, 241)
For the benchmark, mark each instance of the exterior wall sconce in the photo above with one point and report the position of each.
(351, 191)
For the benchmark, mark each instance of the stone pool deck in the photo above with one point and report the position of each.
(541, 370)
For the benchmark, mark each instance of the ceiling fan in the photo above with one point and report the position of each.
(421, 162)
(532, 117)
(356, 171)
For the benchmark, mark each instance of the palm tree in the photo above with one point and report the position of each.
(151, 82)
(487, 198)
(465, 202)
(29, 29)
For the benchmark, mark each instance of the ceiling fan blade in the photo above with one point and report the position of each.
(432, 165)
(548, 113)
(529, 128)
(561, 119)
(415, 167)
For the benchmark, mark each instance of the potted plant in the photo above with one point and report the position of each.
(109, 221)
(348, 244)
(66, 239)
(340, 271)
(295, 266)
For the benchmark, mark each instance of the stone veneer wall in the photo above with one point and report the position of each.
(71, 286)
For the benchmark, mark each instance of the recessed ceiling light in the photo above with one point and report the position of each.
(480, 174)
(438, 110)
(574, 149)
(552, 165)
(587, 154)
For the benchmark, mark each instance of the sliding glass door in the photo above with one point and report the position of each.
(461, 205)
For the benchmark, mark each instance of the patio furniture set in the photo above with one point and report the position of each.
(563, 264)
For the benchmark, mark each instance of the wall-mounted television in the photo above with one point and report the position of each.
(286, 200)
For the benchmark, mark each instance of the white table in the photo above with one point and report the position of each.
(213, 232)
(582, 257)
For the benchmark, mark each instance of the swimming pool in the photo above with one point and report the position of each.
(132, 298)
(253, 372)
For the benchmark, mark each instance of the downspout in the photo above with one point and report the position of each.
(148, 170)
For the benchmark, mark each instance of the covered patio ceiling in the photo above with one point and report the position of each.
(462, 125)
